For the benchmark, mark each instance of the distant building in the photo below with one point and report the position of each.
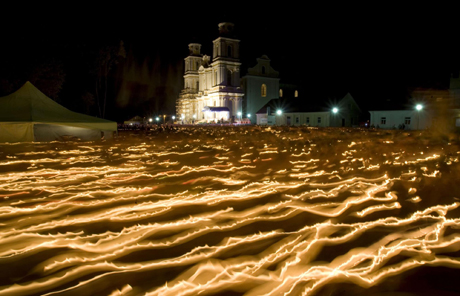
(212, 90)
(295, 112)
(260, 85)
(401, 119)
(438, 109)
(135, 120)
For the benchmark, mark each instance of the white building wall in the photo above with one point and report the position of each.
(393, 119)
(209, 81)
(309, 119)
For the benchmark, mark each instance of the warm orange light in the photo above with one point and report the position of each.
(263, 211)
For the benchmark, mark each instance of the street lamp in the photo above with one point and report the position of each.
(150, 119)
(278, 112)
(157, 118)
(239, 115)
(419, 108)
(335, 110)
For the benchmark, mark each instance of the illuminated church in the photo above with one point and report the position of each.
(212, 87)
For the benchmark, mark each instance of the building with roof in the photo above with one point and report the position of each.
(260, 85)
(295, 112)
(435, 108)
(212, 90)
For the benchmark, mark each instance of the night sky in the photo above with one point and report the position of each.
(371, 52)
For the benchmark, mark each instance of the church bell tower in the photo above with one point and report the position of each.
(192, 65)
(226, 56)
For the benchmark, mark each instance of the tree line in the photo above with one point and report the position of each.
(77, 74)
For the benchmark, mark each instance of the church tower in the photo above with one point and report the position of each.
(225, 56)
(192, 65)
(185, 104)
(212, 90)
(226, 91)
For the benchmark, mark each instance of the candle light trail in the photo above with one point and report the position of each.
(207, 211)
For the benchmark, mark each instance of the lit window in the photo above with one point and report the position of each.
(263, 90)
(281, 93)
(383, 120)
(296, 94)
(407, 120)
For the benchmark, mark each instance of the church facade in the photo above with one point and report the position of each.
(260, 85)
(212, 86)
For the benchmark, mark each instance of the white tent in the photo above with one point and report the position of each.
(29, 115)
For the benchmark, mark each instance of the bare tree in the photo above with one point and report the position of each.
(107, 57)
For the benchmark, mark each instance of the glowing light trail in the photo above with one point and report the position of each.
(252, 210)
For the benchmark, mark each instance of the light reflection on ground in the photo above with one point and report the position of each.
(232, 211)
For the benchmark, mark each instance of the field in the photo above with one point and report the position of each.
(232, 211)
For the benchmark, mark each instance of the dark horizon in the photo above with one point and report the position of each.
(370, 57)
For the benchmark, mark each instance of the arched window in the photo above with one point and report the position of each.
(281, 93)
(215, 77)
(263, 90)
(229, 77)
(263, 69)
(296, 94)
(197, 85)
(229, 51)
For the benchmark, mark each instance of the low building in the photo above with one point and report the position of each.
(428, 108)
(401, 119)
(295, 112)
(136, 120)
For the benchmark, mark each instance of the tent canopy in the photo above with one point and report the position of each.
(29, 115)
